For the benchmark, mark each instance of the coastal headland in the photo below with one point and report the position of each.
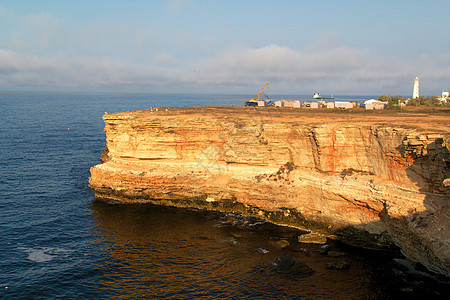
(374, 179)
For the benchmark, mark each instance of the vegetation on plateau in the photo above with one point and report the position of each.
(398, 101)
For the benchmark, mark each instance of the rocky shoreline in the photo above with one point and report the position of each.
(342, 176)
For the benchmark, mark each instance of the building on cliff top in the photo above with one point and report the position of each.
(445, 97)
(416, 88)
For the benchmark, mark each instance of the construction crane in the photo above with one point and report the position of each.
(254, 100)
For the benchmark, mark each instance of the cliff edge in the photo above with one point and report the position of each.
(371, 179)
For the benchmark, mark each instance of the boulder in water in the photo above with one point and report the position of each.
(286, 264)
(312, 238)
(282, 244)
(324, 249)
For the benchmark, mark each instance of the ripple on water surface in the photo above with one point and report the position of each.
(166, 252)
(56, 242)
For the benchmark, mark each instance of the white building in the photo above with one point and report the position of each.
(445, 97)
(375, 104)
(416, 88)
(371, 101)
(315, 105)
(297, 104)
(343, 104)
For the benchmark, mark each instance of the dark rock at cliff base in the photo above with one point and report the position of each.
(286, 264)
(342, 265)
(364, 183)
(324, 249)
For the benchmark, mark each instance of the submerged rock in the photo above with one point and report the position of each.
(286, 264)
(262, 250)
(335, 253)
(342, 265)
(312, 238)
(282, 244)
(324, 249)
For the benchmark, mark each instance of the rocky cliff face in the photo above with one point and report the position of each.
(366, 184)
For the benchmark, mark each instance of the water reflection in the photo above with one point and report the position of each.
(152, 251)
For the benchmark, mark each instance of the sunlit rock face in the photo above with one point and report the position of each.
(366, 184)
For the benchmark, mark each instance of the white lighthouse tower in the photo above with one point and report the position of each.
(416, 88)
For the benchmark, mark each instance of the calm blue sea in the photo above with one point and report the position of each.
(57, 241)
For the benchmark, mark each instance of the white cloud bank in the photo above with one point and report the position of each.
(339, 70)
(47, 52)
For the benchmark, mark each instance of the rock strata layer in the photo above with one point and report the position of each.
(366, 183)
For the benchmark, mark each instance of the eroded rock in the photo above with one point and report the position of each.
(368, 185)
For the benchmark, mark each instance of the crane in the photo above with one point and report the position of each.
(254, 100)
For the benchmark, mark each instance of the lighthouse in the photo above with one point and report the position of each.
(416, 88)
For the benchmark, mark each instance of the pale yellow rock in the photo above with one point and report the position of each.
(312, 238)
(365, 183)
(282, 244)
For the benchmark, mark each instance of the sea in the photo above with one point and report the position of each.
(57, 241)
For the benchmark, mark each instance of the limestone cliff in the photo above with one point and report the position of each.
(364, 182)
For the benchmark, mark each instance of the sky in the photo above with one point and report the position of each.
(233, 47)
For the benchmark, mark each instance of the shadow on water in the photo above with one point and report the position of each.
(154, 251)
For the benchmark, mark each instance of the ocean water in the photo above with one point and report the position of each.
(57, 241)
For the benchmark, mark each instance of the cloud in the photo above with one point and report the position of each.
(34, 72)
(35, 33)
(282, 66)
(177, 5)
(166, 59)
(339, 70)
(4, 12)
(47, 51)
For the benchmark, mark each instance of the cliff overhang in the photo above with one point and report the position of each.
(349, 177)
